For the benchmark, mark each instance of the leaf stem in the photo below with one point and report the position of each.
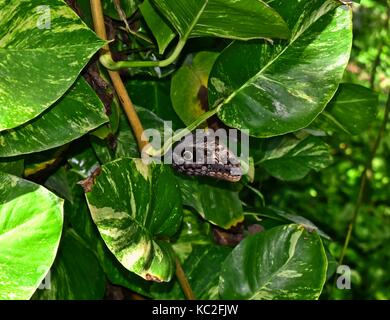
(181, 134)
(256, 192)
(107, 61)
(185, 285)
(100, 29)
(364, 179)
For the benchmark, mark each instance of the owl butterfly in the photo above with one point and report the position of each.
(205, 155)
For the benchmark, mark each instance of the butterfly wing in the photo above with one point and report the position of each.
(206, 156)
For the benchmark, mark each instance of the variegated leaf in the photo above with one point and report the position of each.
(135, 206)
(189, 87)
(68, 280)
(289, 158)
(31, 220)
(202, 268)
(194, 231)
(352, 109)
(43, 47)
(74, 115)
(12, 166)
(273, 89)
(218, 205)
(162, 31)
(284, 263)
(224, 18)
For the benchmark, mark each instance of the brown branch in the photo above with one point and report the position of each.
(100, 29)
(185, 285)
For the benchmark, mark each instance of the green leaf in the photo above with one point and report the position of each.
(39, 64)
(288, 158)
(85, 12)
(83, 162)
(76, 273)
(284, 263)
(216, 204)
(224, 18)
(352, 110)
(154, 95)
(283, 87)
(189, 87)
(58, 183)
(30, 229)
(77, 113)
(79, 218)
(125, 142)
(202, 269)
(183, 14)
(277, 214)
(332, 265)
(12, 166)
(36, 163)
(134, 205)
(162, 31)
(129, 7)
(194, 231)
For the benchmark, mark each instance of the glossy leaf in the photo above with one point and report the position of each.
(182, 14)
(202, 269)
(125, 143)
(83, 162)
(284, 263)
(273, 213)
(43, 48)
(79, 218)
(162, 31)
(217, 205)
(154, 95)
(288, 158)
(194, 231)
(352, 109)
(39, 162)
(58, 183)
(12, 166)
(224, 18)
(75, 274)
(189, 87)
(134, 205)
(74, 115)
(282, 87)
(30, 230)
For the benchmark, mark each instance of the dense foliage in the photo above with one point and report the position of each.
(82, 216)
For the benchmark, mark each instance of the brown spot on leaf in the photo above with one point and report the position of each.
(150, 277)
(112, 141)
(203, 98)
(255, 228)
(229, 237)
(88, 183)
(102, 88)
